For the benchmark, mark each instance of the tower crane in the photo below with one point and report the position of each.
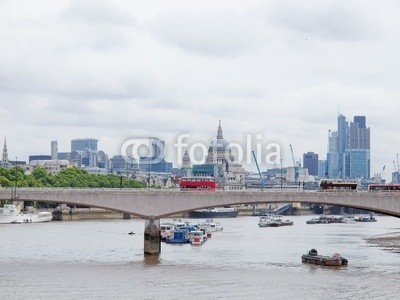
(259, 172)
(296, 174)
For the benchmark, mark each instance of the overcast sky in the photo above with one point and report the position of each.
(115, 70)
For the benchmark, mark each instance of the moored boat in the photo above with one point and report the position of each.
(216, 212)
(197, 237)
(212, 225)
(165, 230)
(312, 257)
(9, 214)
(178, 237)
(273, 220)
(369, 218)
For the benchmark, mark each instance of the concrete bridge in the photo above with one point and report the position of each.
(156, 204)
(163, 203)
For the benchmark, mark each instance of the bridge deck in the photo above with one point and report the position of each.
(162, 203)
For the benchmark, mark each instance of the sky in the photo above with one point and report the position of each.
(277, 71)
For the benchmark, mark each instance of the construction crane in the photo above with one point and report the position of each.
(259, 172)
(398, 166)
(296, 174)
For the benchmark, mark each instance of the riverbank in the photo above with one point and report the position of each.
(390, 241)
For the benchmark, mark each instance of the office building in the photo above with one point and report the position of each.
(348, 154)
(84, 144)
(39, 157)
(310, 162)
(54, 150)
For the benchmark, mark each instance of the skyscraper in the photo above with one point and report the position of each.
(343, 132)
(333, 155)
(349, 149)
(84, 144)
(54, 150)
(358, 161)
(310, 161)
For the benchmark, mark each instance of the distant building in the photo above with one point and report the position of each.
(396, 177)
(349, 147)
(186, 163)
(322, 168)
(310, 162)
(146, 165)
(123, 164)
(358, 159)
(220, 163)
(39, 157)
(64, 155)
(5, 152)
(52, 166)
(54, 150)
(84, 144)
(333, 155)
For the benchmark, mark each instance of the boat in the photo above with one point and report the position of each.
(197, 237)
(216, 212)
(9, 214)
(312, 257)
(212, 225)
(323, 219)
(273, 220)
(369, 218)
(178, 236)
(287, 223)
(348, 219)
(165, 230)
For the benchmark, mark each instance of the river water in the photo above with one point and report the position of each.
(99, 260)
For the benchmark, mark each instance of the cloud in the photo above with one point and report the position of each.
(209, 32)
(117, 70)
(328, 20)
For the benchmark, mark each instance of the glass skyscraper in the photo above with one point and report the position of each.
(349, 149)
(84, 144)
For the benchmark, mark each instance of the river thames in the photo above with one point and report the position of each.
(99, 260)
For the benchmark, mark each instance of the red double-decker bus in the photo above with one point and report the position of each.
(381, 187)
(203, 183)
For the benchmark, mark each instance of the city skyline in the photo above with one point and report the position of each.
(133, 69)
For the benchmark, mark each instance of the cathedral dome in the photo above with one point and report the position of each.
(219, 143)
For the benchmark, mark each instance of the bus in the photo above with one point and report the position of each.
(334, 185)
(384, 187)
(197, 183)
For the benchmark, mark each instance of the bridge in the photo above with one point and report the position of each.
(163, 203)
(156, 204)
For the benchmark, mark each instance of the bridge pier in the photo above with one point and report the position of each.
(152, 237)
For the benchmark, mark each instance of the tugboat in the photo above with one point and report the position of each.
(312, 257)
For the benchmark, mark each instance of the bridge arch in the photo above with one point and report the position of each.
(164, 203)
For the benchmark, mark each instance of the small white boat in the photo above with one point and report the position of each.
(213, 225)
(165, 230)
(9, 214)
(197, 237)
(348, 219)
(272, 220)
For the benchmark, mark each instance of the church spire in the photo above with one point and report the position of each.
(186, 161)
(219, 132)
(5, 154)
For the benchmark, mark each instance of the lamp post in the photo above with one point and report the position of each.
(16, 179)
(281, 175)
